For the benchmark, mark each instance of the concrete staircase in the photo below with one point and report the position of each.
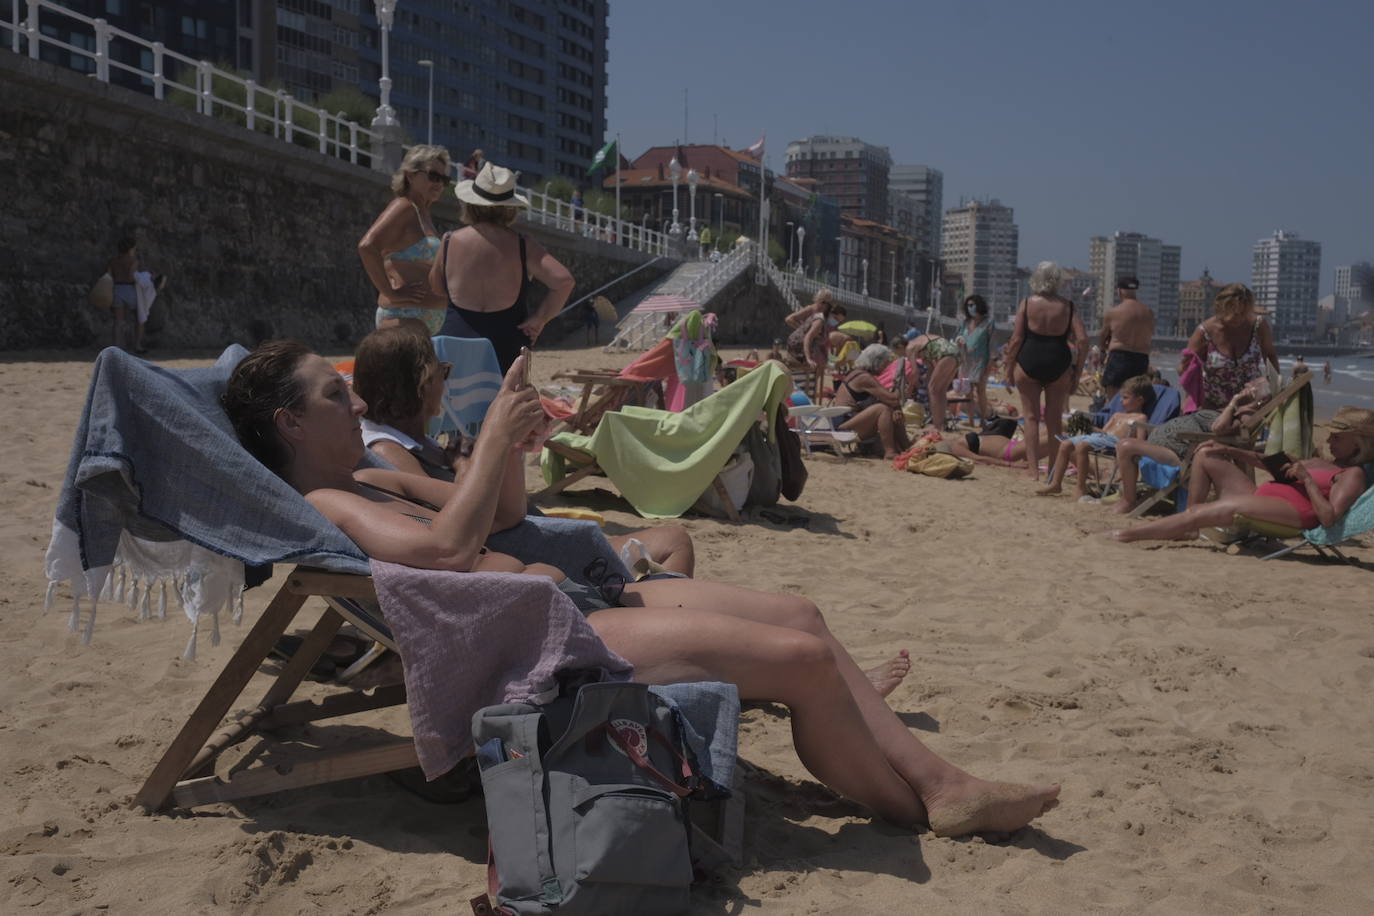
(699, 281)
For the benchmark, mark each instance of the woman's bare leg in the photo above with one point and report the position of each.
(1056, 396)
(1059, 468)
(1028, 389)
(1128, 453)
(887, 769)
(980, 396)
(1219, 513)
(1081, 461)
(938, 387)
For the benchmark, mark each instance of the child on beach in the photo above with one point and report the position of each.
(1137, 399)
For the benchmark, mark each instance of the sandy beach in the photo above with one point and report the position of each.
(1204, 712)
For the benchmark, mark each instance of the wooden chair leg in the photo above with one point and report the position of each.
(569, 480)
(726, 502)
(218, 700)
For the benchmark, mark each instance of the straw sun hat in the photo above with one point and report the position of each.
(493, 187)
(1357, 420)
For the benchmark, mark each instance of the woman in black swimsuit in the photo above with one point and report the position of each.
(1040, 359)
(485, 270)
(294, 412)
(874, 410)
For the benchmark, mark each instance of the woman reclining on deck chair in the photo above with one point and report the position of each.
(295, 414)
(397, 373)
(1313, 491)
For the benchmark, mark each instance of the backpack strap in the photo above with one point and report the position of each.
(638, 759)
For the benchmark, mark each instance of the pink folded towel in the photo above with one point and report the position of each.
(469, 640)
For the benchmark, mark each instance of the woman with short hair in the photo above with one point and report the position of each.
(1039, 359)
(484, 269)
(399, 247)
(874, 410)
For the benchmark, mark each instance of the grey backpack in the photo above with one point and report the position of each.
(586, 803)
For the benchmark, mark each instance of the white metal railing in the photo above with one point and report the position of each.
(792, 283)
(263, 109)
(641, 330)
(548, 210)
(273, 111)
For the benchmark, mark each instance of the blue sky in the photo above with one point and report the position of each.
(1207, 124)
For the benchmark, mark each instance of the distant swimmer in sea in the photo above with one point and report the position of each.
(1128, 329)
(1326, 372)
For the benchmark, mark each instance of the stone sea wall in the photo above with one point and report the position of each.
(254, 234)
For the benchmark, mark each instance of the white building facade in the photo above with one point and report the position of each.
(1285, 275)
(980, 241)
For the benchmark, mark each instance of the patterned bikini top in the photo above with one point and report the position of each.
(1223, 376)
(427, 249)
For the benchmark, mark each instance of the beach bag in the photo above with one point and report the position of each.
(935, 463)
(102, 293)
(767, 480)
(792, 468)
(738, 476)
(586, 802)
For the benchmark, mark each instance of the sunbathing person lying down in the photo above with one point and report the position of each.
(398, 375)
(294, 412)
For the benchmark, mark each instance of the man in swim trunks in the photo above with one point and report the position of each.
(1128, 329)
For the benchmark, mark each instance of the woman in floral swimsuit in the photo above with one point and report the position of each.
(1232, 345)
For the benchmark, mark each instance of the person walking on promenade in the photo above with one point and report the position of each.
(975, 347)
(399, 248)
(1128, 329)
(484, 269)
(1039, 359)
(474, 164)
(1326, 372)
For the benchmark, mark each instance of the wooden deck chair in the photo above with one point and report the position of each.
(603, 390)
(183, 776)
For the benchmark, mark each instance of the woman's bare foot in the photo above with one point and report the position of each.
(1119, 534)
(1124, 508)
(889, 674)
(976, 805)
(1049, 490)
(1033, 474)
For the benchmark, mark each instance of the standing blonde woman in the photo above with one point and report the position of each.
(1039, 359)
(398, 249)
(809, 342)
(1232, 346)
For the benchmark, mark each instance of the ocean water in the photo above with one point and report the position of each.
(1352, 380)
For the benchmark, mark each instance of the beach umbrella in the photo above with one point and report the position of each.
(858, 328)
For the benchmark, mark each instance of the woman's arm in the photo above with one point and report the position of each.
(1198, 344)
(1080, 339)
(469, 508)
(379, 235)
(1018, 335)
(1227, 421)
(1266, 342)
(809, 339)
(438, 269)
(545, 268)
(866, 383)
(1344, 491)
(797, 318)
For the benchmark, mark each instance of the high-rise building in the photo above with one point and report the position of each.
(1285, 275)
(1195, 300)
(847, 169)
(980, 242)
(926, 186)
(1154, 264)
(523, 81)
(1354, 290)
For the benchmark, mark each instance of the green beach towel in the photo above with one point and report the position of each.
(1290, 429)
(662, 461)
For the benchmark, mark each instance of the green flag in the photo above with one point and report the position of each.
(600, 158)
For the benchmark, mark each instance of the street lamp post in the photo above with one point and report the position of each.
(894, 275)
(692, 179)
(386, 115)
(720, 216)
(801, 247)
(791, 247)
(429, 131)
(865, 277)
(675, 173)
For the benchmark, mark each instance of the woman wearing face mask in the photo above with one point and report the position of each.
(975, 347)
